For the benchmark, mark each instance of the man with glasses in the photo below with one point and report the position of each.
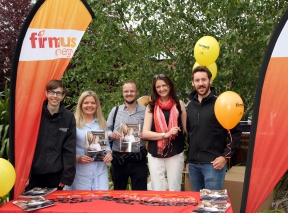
(127, 164)
(54, 159)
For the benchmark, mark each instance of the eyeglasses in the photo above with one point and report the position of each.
(52, 93)
(160, 75)
(129, 91)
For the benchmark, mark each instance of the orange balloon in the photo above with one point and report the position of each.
(144, 100)
(229, 109)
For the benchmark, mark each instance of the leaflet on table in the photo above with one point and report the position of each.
(34, 203)
(37, 191)
(215, 196)
(208, 207)
(95, 145)
(130, 140)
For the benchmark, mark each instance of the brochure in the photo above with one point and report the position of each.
(214, 196)
(37, 191)
(32, 204)
(95, 144)
(206, 206)
(130, 140)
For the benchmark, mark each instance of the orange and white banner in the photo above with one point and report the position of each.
(268, 148)
(48, 40)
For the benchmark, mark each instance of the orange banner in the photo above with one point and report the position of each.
(53, 32)
(267, 155)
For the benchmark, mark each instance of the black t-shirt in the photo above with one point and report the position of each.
(176, 145)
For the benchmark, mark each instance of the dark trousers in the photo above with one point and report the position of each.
(136, 170)
(50, 180)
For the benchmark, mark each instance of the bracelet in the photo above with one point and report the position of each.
(77, 158)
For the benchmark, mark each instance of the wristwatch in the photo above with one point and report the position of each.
(163, 135)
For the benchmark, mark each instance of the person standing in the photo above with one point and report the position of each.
(209, 148)
(164, 125)
(90, 174)
(127, 164)
(53, 165)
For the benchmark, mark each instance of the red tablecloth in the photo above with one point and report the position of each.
(103, 206)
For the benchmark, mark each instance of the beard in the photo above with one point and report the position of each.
(130, 102)
(207, 89)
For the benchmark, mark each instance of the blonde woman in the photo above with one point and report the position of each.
(123, 130)
(90, 174)
(89, 139)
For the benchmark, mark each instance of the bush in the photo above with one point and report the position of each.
(4, 123)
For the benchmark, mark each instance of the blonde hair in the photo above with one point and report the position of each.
(79, 115)
(122, 127)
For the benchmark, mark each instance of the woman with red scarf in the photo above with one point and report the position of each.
(164, 125)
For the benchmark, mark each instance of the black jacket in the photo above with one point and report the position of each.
(56, 145)
(207, 138)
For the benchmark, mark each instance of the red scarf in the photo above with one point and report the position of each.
(160, 122)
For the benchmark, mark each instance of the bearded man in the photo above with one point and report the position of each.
(127, 164)
(209, 144)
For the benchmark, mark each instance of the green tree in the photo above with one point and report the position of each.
(4, 123)
(138, 39)
(12, 16)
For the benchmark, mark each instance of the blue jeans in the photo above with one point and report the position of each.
(204, 176)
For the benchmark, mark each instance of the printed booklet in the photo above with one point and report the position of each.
(37, 191)
(214, 196)
(208, 207)
(95, 144)
(130, 140)
(32, 204)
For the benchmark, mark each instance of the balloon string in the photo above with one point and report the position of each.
(228, 146)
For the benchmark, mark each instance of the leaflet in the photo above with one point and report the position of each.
(214, 196)
(206, 206)
(130, 140)
(37, 191)
(95, 144)
(34, 203)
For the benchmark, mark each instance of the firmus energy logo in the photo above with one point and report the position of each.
(63, 45)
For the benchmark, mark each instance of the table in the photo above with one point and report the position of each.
(103, 206)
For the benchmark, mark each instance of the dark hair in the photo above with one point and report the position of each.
(172, 92)
(201, 69)
(53, 84)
